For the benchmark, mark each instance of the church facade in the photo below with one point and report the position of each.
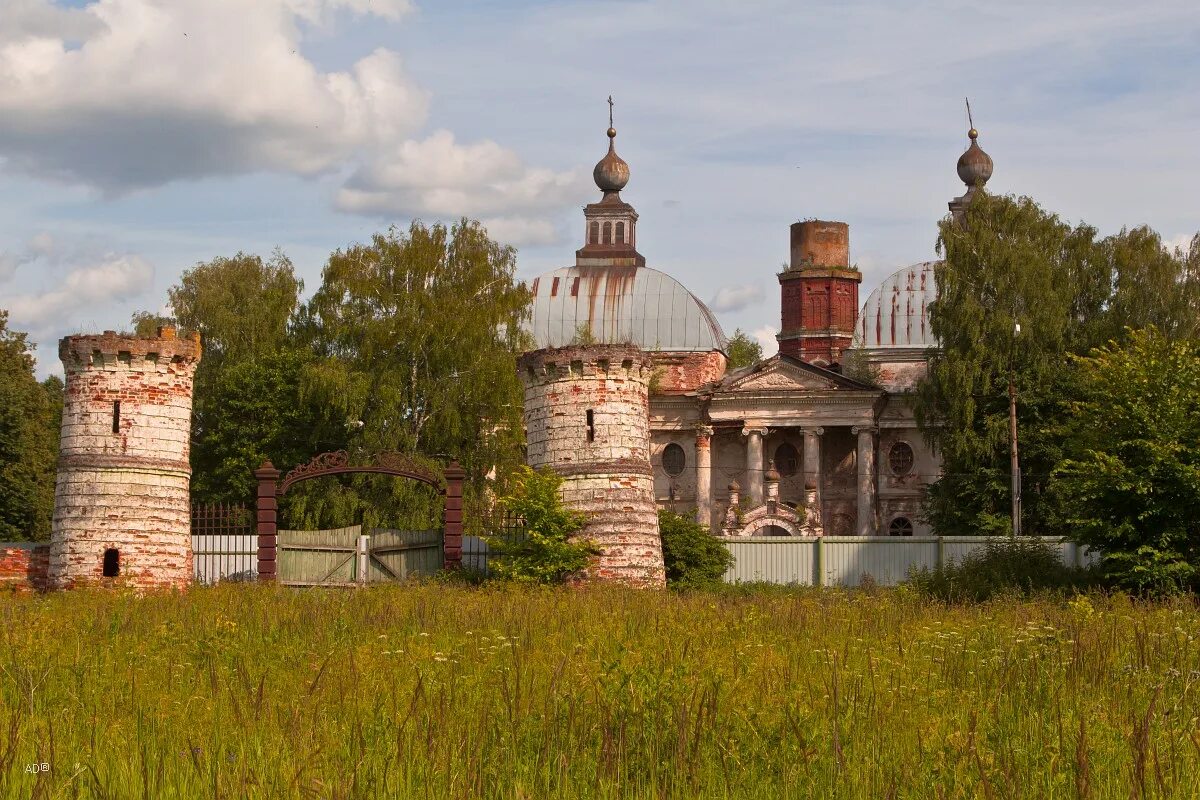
(819, 439)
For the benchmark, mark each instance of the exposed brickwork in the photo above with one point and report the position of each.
(24, 567)
(126, 489)
(605, 468)
(686, 372)
(818, 294)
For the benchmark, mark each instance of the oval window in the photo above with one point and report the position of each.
(673, 460)
(900, 458)
(787, 460)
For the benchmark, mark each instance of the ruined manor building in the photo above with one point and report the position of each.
(817, 440)
(122, 497)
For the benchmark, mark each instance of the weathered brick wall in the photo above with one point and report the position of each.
(606, 474)
(126, 489)
(686, 372)
(24, 566)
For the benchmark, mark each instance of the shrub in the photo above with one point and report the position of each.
(1008, 566)
(545, 552)
(694, 558)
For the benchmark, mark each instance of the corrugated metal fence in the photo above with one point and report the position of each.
(845, 560)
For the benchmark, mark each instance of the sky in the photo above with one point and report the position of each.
(140, 137)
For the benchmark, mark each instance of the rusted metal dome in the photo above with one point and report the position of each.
(640, 306)
(896, 314)
(974, 166)
(611, 172)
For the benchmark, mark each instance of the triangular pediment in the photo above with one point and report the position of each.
(787, 374)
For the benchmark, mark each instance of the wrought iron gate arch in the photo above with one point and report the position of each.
(270, 488)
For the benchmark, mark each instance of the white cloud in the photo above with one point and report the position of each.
(765, 336)
(83, 287)
(163, 90)
(735, 298)
(439, 176)
(1181, 242)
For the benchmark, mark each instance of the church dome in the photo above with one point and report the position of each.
(611, 172)
(974, 165)
(896, 314)
(642, 306)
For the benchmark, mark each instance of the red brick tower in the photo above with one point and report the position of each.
(818, 294)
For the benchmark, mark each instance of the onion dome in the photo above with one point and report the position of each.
(611, 172)
(974, 166)
(772, 474)
(735, 487)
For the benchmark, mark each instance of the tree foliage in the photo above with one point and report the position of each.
(30, 417)
(1013, 263)
(743, 350)
(694, 558)
(548, 551)
(1130, 471)
(414, 336)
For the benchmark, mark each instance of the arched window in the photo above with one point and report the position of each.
(607, 233)
(673, 460)
(900, 459)
(620, 233)
(901, 526)
(112, 563)
(787, 460)
(594, 233)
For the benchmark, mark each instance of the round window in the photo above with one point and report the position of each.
(901, 526)
(673, 460)
(900, 458)
(787, 460)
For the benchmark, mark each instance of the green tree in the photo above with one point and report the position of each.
(548, 551)
(415, 336)
(694, 558)
(248, 404)
(1130, 471)
(255, 412)
(30, 416)
(242, 306)
(1013, 263)
(743, 351)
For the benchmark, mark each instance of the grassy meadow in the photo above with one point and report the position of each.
(440, 691)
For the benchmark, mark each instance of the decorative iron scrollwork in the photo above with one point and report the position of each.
(338, 463)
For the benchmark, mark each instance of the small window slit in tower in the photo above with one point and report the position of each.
(112, 562)
(116, 416)
(591, 426)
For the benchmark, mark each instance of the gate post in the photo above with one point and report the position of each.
(267, 507)
(453, 517)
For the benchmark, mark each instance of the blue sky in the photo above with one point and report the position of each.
(138, 137)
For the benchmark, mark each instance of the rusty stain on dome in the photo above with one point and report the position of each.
(896, 314)
(642, 306)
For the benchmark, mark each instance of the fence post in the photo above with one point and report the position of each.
(453, 517)
(364, 543)
(819, 563)
(267, 507)
(941, 551)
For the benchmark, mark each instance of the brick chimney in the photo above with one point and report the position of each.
(818, 294)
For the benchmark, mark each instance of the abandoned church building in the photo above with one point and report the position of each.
(798, 444)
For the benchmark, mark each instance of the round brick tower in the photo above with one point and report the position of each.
(587, 416)
(122, 499)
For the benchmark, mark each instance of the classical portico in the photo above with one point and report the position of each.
(782, 447)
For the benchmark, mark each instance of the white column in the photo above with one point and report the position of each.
(754, 463)
(812, 480)
(704, 475)
(866, 481)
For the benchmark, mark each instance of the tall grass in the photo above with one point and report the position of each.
(435, 691)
